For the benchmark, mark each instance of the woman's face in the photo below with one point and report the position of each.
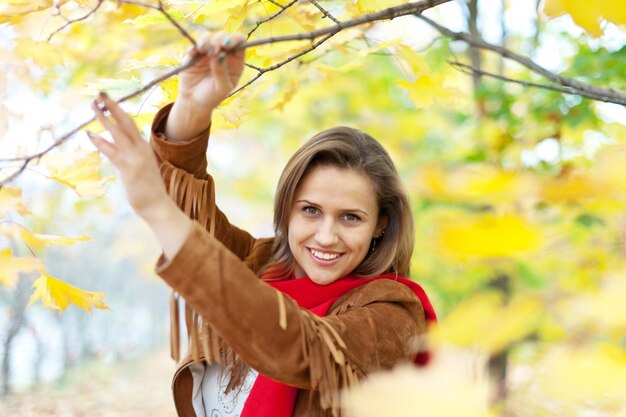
(332, 222)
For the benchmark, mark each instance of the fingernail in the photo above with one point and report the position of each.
(221, 58)
(211, 50)
(226, 42)
(90, 135)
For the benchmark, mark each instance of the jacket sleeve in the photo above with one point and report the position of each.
(273, 335)
(183, 167)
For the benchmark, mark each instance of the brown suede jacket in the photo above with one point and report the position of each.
(374, 326)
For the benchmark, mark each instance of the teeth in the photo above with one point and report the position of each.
(324, 256)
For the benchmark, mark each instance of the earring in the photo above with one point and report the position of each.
(375, 241)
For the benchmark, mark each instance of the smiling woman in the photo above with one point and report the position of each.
(331, 304)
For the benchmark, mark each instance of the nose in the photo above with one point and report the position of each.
(327, 234)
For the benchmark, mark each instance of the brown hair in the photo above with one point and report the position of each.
(348, 148)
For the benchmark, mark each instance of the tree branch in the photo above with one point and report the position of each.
(468, 69)
(69, 22)
(326, 33)
(573, 86)
(274, 16)
(324, 11)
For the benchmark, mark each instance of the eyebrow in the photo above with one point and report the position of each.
(343, 210)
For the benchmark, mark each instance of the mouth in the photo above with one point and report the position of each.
(324, 257)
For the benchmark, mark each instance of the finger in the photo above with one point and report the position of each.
(205, 44)
(118, 135)
(221, 73)
(99, 110)
(233, 41)
(104, 146)
(120, 116)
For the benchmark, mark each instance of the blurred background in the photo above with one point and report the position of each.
(518, 193)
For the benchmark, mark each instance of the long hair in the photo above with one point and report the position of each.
(348, 148)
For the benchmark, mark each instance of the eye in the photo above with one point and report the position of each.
(310, 210)
(351, 217)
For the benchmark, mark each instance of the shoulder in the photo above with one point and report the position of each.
(260, 253)
(378, 291)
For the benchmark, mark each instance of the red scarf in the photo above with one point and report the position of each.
(269, 398)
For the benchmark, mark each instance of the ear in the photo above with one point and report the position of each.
(380, 227)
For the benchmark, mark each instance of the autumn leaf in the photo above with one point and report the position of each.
(475, 182)
(78, 170)
(485, 322)
(58, 295)
(588, 15)
(13, 10)
(42, 53)
(36, 241)
(410, 391)
(11, 266)
(487, 236)
(11, 199)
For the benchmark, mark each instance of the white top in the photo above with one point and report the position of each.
(208, 396)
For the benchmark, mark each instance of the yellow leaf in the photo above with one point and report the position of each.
(42, 53)
(78, 170)
(36, 241)
(230, 114)
(409, 391)
(170, 90)
(588, 14)
(236, 18)
(11, 199)
(428, 90)
(12, 10)
(58, 295)
(487, 236)
(11, 266)
(287, 93)
(475, 182)
(413, 60)
(484, 322)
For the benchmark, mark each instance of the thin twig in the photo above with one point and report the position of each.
(69, 22)
(284, 62)
(413, 8)
(275, 3)
(574, 86)
(468, 69)
(324, 11)
(175, 23)
(271, 17)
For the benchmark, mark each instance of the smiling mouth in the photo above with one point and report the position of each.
(323, 256)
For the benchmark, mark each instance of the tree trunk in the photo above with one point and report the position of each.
(17, 320)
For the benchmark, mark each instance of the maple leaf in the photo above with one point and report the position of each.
(37, 241)
(42, 53)
(488, 236)
(13, 10)
(79, 171)
(588, 14)
(407, 390)
(11, 266)
(58, 295)
(11, 199)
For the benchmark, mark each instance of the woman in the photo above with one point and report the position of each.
(330, 306)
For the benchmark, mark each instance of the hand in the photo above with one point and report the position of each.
(131, 155)
(204, 86)
(216, 74)
(140, 175)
